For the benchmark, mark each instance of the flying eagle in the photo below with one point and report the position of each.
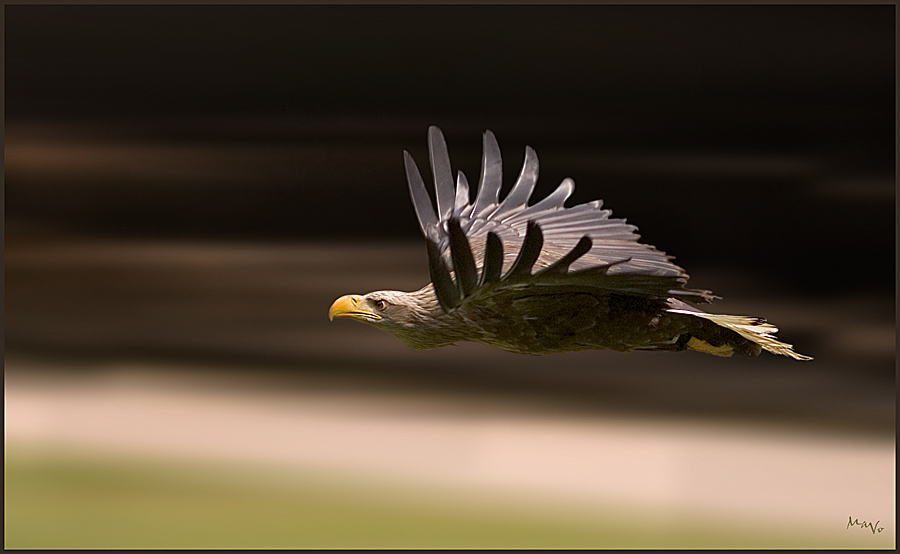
(544, 278)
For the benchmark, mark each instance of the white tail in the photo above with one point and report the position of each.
(751, 328)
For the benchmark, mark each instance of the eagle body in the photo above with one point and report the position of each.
(533, 323)
(529, 321)
(544, 278)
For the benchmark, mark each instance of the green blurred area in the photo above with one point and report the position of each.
(70, 501)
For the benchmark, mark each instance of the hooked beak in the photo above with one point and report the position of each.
(353, 306)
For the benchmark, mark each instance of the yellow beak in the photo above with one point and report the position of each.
(353, 306)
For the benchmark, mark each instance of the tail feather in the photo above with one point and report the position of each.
(754, 329)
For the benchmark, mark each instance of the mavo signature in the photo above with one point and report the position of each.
(855, 522)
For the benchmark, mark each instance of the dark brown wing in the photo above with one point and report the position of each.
(476, 247)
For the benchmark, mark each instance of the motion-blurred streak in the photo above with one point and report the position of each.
(759, 474)
(267, 304)
(125, 160)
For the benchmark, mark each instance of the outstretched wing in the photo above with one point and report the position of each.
(476, 247)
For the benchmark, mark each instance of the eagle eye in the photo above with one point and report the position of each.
(379, 304)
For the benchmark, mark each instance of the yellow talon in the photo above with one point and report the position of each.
(703, 346)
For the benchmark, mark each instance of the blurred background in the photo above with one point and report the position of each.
(188, 188)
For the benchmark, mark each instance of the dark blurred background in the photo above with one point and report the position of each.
(202, 181)
(759, 137)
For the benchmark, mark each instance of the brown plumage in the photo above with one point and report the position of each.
(544, 278)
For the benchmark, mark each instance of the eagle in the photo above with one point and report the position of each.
(543, 278)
